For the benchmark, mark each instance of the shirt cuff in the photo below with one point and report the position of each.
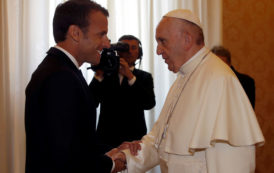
(132, 81)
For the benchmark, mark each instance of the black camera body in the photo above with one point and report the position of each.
(110, 60)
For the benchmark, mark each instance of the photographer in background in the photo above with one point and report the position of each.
(123, 97)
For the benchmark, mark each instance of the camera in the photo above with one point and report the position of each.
(110, 60)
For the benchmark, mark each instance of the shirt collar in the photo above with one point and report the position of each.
(69, 55)
(193, 61)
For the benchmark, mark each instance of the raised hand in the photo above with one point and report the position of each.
(124, 69)
(133, 146)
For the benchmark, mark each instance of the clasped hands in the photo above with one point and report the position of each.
(119, 157)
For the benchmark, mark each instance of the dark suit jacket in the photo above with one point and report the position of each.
(60, 120)
(122, 107)
(248, 84)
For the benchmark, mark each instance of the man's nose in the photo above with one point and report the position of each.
(159, 50)
(106, 43)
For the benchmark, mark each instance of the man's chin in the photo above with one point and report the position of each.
(172, 69)
(95, 63)
(96, 60)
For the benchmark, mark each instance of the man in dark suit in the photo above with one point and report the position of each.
(60, 112)
(247, 82)
(123, 97)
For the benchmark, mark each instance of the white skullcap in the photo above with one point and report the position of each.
(185, 15)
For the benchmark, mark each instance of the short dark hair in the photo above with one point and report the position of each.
(221, 51)
(73, 12)
(131, 37)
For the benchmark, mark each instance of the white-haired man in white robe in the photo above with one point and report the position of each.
(207, 124)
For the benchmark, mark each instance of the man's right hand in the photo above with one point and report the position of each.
(124, 69)
(119, 158)
(120, 162)
(133, 146)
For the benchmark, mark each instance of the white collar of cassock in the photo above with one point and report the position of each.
(193, 61)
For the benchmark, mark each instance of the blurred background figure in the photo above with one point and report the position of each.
(123, 96)
(247, 82)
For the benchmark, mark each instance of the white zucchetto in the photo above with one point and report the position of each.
(185, 15)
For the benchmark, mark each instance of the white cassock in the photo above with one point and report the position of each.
(207, 124)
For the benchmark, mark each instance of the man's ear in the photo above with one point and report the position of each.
(74, 32)
(188, 38)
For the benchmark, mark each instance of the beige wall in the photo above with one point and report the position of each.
(248, 27)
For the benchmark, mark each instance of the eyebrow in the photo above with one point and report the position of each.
(160, 39)
(102, 33)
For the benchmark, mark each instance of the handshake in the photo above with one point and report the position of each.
(119, 157)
